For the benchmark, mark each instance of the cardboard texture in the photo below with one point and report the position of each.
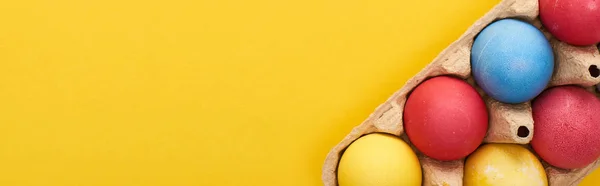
(573, 65)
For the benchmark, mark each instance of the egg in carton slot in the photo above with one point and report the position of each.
(519, 99)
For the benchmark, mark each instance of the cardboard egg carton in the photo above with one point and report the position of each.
(573, 65)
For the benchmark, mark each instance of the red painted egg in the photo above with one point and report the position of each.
(566, 131)
(576, 22)
(445, 118)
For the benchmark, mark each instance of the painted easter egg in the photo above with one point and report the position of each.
(576, 22)
(567, 127)
(379, 159)
(503, 164)
(512, 61)
(445, 118)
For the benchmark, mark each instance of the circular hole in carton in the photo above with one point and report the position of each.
(594, 71)
(523, 132)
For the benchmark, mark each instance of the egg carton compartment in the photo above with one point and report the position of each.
(510, 123)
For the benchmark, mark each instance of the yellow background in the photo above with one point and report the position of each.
(209, 92)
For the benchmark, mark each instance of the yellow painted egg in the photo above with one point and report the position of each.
(502, 165)
(379, 160)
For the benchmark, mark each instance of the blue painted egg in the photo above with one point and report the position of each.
(512, 61)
